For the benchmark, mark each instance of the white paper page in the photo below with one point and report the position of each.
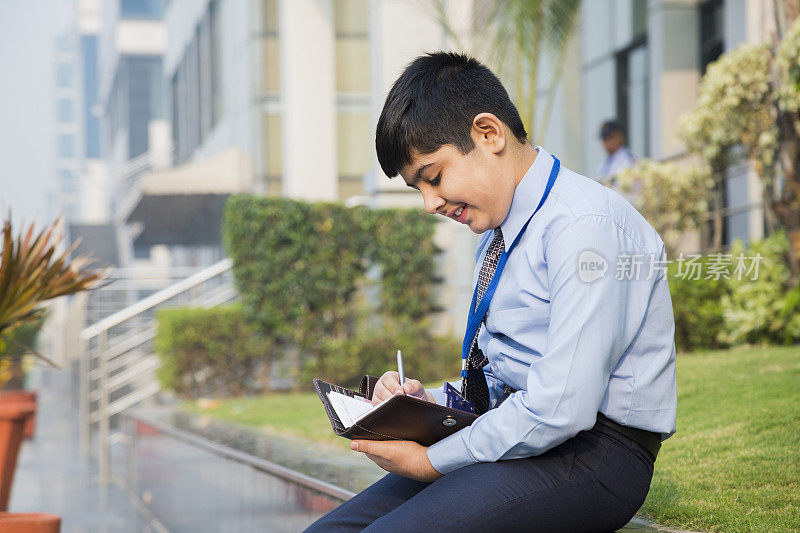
(349, 410)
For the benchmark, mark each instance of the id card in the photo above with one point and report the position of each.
(456, 401)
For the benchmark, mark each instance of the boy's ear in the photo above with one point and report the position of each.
(487, 130)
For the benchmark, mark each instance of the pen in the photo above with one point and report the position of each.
(400, 367)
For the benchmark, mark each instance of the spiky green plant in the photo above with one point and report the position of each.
(32, 271)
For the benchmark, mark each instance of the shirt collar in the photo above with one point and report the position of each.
(527, 195)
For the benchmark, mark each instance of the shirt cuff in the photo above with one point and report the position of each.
(450, 453)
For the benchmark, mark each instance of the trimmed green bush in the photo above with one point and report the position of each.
(400, 242)
(373, 352)
(299, 267)
(211, 352)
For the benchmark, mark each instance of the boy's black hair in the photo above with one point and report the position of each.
(433, 103)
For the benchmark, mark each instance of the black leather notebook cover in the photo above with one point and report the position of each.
(401, 417)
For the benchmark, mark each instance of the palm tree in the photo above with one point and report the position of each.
(520, 34)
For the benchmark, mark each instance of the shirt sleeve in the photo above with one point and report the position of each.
(592, 322)
(439, 395)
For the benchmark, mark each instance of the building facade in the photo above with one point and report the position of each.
(200, 99)
(640, 62)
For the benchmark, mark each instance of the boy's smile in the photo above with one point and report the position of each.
(476, 188)
(456, 186)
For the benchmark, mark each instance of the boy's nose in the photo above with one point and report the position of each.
(432, 203)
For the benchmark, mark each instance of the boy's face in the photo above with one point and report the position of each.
(475, 189)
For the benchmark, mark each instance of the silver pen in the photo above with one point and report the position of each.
(400, 367)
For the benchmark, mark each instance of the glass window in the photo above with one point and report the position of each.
(69, 180)
(204, 60)
(736, 226)
(354, 144)
(64, 74)
(352, 65)
(144, 94)
(638, 98)
(91, 122)
(711, 32)
(192, 95)
(633, 97)
(736, 188)
(639, 14)
(66, 146)
(64, 42)
(215, 36)
(351, 17)
(142, 9)
(64, 111)
(176, 92)
(271, 70)
(630, 20)
(273, 159)
(270, 13)
(350, 186)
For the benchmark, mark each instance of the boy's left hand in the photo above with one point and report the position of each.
(401, 457)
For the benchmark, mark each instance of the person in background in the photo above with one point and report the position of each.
(619, 156)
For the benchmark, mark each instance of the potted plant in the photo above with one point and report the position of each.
(15, 360)
(31, 272)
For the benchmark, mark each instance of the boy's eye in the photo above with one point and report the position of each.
(437, 180)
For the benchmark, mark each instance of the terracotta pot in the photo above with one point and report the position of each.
(29, 523)
(22, 396)
(12, 421)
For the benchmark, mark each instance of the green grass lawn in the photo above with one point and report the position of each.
(734, 464)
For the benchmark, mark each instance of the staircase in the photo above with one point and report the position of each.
(118, 363)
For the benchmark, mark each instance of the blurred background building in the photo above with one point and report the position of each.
(165, 108)
(640, 62)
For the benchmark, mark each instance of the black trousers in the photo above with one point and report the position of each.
(594, 481)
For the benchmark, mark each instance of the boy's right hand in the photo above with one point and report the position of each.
(389, 385)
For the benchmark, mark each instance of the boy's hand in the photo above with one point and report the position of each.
(401, 457)
(389, 385)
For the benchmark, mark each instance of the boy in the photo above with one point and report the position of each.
(573, 367)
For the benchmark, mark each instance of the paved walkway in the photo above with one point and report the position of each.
(53, 477)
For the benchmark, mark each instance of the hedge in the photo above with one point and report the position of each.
(299, 267)
(211, 352)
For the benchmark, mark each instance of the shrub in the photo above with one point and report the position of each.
(670, 195)
(762, 310)
(750, 307)
(373, 350)
(211, 352)
(697, 307)
(299, 267)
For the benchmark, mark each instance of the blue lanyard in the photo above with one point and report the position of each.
(475, 316)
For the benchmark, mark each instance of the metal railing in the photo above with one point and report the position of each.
(129, 176)
(117, 365)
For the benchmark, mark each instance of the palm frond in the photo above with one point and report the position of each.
(518, 37)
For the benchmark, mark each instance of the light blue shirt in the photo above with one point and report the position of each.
(572, 339)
